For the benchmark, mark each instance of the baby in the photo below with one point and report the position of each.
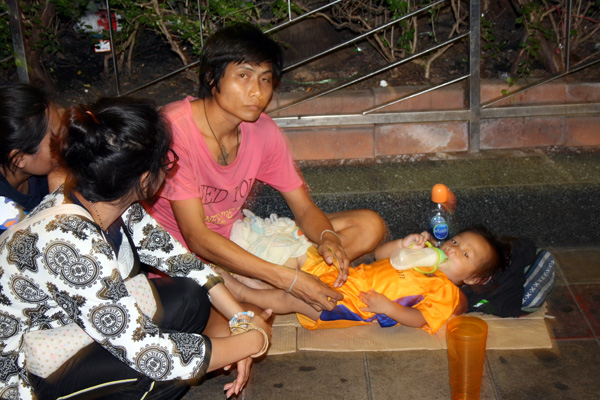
(379, 292)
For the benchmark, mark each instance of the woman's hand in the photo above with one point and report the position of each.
(243, 373)
(244, 365)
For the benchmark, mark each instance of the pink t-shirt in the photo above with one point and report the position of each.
(263, 155)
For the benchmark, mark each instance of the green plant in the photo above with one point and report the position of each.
(176, 21)
(544, 33)
(6, 50)
(42, 21)
(492, 47)
(401, 39)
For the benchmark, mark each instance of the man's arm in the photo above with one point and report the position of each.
(316, 226)
(213, 247)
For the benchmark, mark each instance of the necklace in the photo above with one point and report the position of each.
(98, 215)
(222, 148)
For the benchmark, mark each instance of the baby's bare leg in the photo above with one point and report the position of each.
(276, 299)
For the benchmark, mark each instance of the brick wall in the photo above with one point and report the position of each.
(371, 141)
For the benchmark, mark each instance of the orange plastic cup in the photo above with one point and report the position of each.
(466, 338)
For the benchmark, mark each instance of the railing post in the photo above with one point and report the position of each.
(112, 48)
(475, 80)
(18, 39)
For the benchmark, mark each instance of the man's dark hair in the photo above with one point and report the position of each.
(110, 144)
(23, 120)
(240, 43)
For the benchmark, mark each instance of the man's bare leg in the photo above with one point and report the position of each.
(361, 231)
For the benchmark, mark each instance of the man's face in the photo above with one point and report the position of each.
(245, 90)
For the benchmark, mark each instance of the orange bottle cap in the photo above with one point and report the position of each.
(439, 193)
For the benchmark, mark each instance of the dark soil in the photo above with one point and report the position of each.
(80, 74)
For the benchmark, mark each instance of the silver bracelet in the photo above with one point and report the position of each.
(293, 282)
(330, 231)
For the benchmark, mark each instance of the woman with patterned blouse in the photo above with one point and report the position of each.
(65, 274)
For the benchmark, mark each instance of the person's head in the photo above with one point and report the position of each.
(28, 120)
(474, 255)
(115, 148)
(236, 44)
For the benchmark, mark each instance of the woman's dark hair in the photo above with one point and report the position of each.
(109, 145)
(500, 252)
(23, 120)
(240, 43)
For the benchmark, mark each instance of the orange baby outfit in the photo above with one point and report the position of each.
(434, 295)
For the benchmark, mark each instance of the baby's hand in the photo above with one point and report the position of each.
(376, 302)
(416, 240)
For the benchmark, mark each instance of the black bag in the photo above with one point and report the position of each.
(519, 289)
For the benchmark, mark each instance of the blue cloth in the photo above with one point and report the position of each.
(38, 189)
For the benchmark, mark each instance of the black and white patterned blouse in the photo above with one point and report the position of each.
(61, 270)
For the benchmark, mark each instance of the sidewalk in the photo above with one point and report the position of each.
(552, 198)
(570, 370)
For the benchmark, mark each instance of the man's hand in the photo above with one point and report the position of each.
(333, 253)
(315, 293)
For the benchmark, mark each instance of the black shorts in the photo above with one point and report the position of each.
(94, 373)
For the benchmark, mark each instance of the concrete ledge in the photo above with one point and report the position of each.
(551, 198)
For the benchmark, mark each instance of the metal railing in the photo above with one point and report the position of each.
(473, 115)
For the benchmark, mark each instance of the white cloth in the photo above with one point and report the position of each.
(274, 239)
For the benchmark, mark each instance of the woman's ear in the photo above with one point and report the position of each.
(149, 185)
(145, 181)
(17, 158)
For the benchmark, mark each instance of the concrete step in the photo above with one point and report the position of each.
(550, 196)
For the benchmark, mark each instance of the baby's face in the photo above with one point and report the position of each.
(466, 252)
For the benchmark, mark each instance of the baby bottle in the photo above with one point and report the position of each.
(402, 259)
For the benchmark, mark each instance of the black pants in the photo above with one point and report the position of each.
(94, 373)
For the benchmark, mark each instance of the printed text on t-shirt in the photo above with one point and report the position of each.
(211, 194)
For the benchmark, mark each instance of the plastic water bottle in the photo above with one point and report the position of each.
(438, 225)
(402, 259)
(445, 204)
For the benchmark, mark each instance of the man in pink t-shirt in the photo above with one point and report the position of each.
(225, 143)
(262, 155)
